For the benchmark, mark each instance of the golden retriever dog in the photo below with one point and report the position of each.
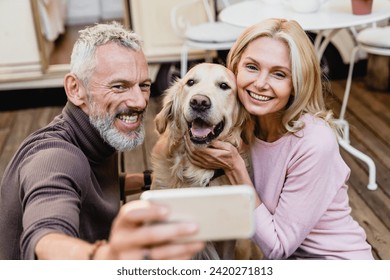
(202, 106)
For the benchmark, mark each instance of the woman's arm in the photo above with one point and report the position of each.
(303, 181)
(222, 155)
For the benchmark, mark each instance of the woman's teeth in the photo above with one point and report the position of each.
(259, 97)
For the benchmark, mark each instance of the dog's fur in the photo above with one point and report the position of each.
(202, 106)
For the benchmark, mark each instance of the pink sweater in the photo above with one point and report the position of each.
(301, 181)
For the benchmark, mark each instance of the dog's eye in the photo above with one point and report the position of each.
(190, 82)
(224, 86)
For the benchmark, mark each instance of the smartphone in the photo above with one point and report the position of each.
(222, 212)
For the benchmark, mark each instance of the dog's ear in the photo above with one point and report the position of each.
(165, 116)
(161, 119)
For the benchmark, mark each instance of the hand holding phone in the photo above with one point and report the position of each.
(222, 213)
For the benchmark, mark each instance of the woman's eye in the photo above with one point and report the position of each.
(280, 75)
(224, 86)
(190, 82)
(251, 67)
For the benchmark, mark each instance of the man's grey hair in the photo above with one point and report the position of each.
(83, 54)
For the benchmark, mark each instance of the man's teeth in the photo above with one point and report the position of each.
(259, 97)
(128, 119)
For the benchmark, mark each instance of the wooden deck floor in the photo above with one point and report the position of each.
(369, 117)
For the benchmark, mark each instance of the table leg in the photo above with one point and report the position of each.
(348, 83)
(344, 141)
(371, 165)
(322, 41)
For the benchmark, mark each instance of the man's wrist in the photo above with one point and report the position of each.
(95, 247)
(147, 179)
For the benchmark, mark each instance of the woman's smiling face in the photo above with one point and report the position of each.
(264, 78)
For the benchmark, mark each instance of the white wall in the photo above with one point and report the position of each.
(16, 32)
(91, 11)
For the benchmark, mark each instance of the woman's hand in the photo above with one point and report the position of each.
(221, 155)
(218, 155)
(136, 234)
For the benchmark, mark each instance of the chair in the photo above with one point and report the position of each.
(372, 40)
(211, 35)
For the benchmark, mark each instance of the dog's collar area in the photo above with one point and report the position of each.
(217, 173)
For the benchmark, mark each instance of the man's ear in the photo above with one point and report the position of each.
(74, 89)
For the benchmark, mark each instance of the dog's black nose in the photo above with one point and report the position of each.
(200, 102)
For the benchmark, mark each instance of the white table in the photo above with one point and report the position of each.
(332, 17)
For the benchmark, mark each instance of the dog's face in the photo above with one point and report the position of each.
(203, 104)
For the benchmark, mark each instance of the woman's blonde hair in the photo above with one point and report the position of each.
(305, 68)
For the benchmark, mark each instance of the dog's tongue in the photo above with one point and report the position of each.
(198, 130)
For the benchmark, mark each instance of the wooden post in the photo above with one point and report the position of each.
(378, 72)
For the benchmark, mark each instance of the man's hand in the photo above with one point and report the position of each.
(136, 235)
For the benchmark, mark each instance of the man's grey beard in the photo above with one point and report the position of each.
(104, 123)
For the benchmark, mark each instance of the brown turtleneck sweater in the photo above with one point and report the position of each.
(63, 178)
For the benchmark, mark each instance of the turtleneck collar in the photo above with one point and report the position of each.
(87, 137)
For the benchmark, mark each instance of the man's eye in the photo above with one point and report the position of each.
(190, 82)
(224, 86)
(118, 87)
(146, 86)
